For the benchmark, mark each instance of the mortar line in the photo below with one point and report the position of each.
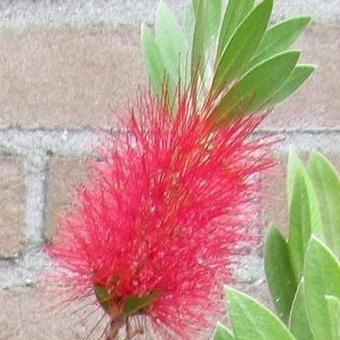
(35, 181)
(67, 143)
(115, 13)
(119, 130)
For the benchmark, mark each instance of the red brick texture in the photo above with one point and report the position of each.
(63, 175)
(12, 195)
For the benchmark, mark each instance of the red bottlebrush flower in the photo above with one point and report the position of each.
(153, 233)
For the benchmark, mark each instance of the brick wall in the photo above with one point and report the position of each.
(66, 69)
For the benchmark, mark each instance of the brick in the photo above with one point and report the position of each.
(317, 104)
(67, 77)
(116, 12)
(275, 198)
(71, 78)
(63, 175)
(28, 313)
(320, 11)
(12, 196)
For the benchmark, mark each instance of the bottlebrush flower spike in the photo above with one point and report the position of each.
(153, 233)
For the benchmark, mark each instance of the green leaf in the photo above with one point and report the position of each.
(135, 303)
(299, 75)
(294, 167)
(304, 214)
(242, 46)
(103, 297)
(279, 273)
(334, 311)
(322, 277)
(299, 225)
(251, 320)
(208, 17)
(189, 21)
(214, 13)
(256, 87)
(172, 43)
(235, 13)
(153, 60)
(327, 185)
(280, 37)
(198, 48)
(298, 321)
(222, 333)
(195, 4)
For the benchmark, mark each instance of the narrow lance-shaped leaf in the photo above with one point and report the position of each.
(279, 38)
(198, 48)
(242, 46)
(256, 87)
(214, 13)
(299, 75)
(327, 184)
(235, 13)
(279, 273)
(322, 277)
(172, 43)
(333, 304)
(223, 333)
(195, 4)
(304, 217)
(293, 168)
(298, 321)
(153, 60)
(189, 21)
(251, 320)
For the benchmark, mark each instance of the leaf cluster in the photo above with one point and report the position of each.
(303, 271)
(229, 54)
